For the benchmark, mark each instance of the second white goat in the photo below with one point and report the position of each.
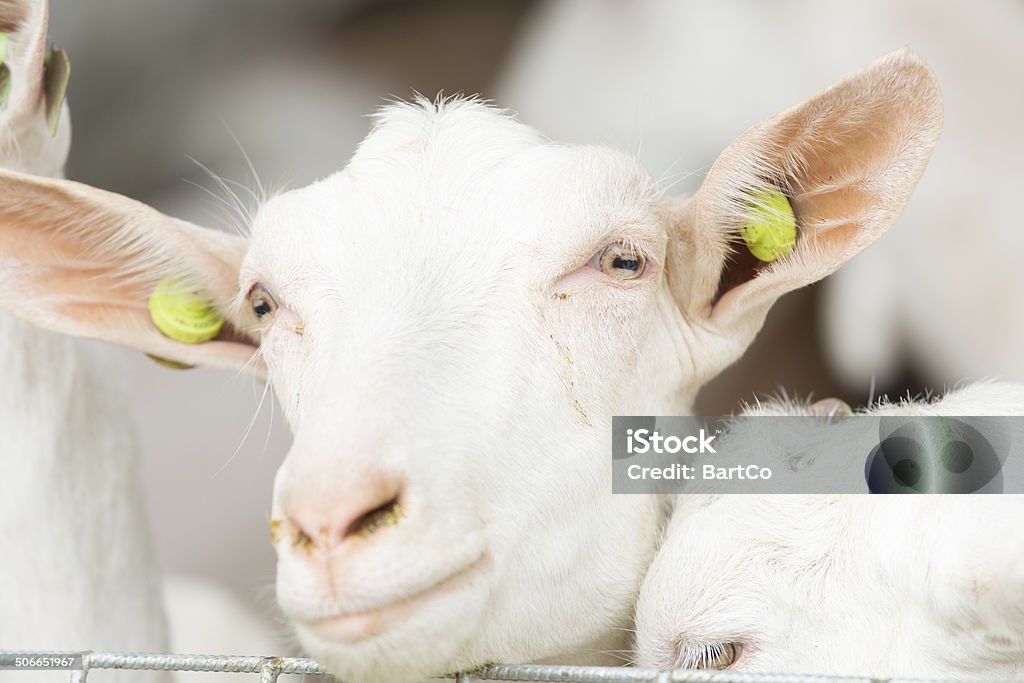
(879, 586)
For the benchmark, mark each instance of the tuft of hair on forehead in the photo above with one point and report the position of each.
(13, 14)
(445, 126)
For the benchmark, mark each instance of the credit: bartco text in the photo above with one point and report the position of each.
(679, 471)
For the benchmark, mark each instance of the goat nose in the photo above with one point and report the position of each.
(326, 521)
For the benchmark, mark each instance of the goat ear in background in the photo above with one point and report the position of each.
(35, 133)
(82, 261)
(847, 159)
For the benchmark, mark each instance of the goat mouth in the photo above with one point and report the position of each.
(353, 627)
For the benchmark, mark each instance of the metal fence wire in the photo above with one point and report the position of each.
(270, 668)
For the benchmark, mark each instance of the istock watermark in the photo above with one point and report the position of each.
(851, 454)
(647, 441)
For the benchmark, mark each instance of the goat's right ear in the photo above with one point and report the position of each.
(82, 261)
(847, 159)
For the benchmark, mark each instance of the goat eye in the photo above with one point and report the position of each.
(262, 301)
(713, 656)
(622, 262)
(717, 656)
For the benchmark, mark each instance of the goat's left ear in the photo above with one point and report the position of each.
(83, 261)
(847, 159)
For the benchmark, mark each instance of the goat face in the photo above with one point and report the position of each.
(453, 320)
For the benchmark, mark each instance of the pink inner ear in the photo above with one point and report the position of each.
(848, 159)
(84, 262)
(853, 180)
(73, 303)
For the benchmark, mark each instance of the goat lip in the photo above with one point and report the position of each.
(356, 626)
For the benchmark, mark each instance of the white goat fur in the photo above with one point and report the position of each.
(78, 569)
(443, 337)
(855, 585)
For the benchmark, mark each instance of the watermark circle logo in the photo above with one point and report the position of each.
(937, 455)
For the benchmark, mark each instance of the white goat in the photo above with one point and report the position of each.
(78, 571)
(78, 568)
(700, 69)
(876, 586)
(449, 324)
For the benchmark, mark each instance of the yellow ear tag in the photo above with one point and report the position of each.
(770, 231)
(183, 314)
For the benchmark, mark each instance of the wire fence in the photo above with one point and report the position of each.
(270, 668)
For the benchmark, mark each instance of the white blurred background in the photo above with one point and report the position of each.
(154, 83)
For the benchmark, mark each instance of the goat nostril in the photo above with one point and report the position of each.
(387, 514)
(324, 521)
(276, 530)
(281, 529)
(301, 540)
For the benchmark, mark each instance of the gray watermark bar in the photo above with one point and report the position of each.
(40, 661)
(808, 454)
